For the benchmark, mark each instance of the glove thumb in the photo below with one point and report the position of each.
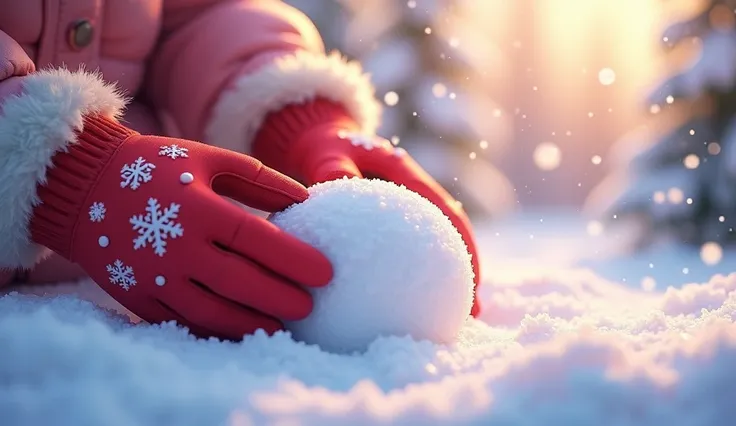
(333, 168)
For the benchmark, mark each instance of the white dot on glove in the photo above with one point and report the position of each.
(186, 178)
(160, 280)
(103, 241)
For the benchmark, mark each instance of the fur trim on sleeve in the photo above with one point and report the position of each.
(34, 126)
(297, 78)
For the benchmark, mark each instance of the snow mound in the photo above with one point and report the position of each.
(400, 266)
(563, 348)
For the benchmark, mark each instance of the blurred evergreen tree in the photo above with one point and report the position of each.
(429, 62)
(682, 185)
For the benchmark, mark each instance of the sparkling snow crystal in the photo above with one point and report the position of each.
(121, 275)
(97, 212)
(156, 226)
(173, 151)
(134, 174)
(400, 266)
(368, 142)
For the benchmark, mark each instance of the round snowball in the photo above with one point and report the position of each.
(400, 266)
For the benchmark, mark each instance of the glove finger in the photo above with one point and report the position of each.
(238, 279)
(249, 182)
(333, 168)
(262, 242)
(200, 307)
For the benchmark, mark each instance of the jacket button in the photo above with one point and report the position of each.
(81, 34)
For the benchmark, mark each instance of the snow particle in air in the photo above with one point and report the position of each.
(691, 161)
(439, 90)
(391, 98)
(606, 76)
(711, 253)
(547, 156)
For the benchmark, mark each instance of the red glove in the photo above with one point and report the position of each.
(144, 217)
(318, 141)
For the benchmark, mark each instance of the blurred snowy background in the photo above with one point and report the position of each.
(604, 123)
(506, 101)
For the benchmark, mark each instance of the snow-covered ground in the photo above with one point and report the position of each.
(560, 345)
(551, 240)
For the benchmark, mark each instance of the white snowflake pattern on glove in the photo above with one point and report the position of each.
(134, 174)
(368, 142)
(173, 151)
(121, 275)
(156, 226)
(97, 212)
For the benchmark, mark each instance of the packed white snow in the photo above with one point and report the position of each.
(400, 267)
(562, 348)
(557, 346)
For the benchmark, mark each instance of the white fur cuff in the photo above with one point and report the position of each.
(239, 112)
(33, 127)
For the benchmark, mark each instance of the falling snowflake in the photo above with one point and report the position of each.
(366, 141)
(136, 173)
(173, 151)
(97, 212)
(121, 275)
(156, 226)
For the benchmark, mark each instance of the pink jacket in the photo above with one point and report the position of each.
(207, 70)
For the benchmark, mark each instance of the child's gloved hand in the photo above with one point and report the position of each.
(144, 217)
(318, 142)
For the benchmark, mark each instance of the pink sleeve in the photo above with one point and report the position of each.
(222, 66)
(14, 64)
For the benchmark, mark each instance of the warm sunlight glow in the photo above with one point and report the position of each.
(587, 32)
